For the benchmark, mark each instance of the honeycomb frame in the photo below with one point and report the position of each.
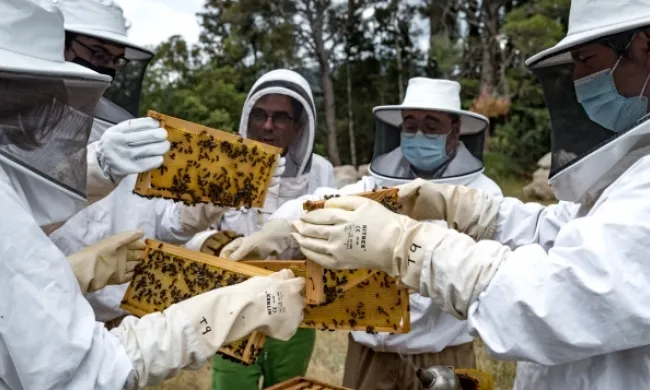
(355, 313)
(206, 165)
(153, 280)
(303, 383)
(386, 197)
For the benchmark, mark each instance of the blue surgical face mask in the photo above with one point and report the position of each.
(604, 105)
(424, 152)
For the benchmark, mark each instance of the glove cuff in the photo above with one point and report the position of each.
(472, 212)
(458, 270)
(101, 163)
(418, 243)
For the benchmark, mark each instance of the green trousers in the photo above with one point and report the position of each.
(279, 361)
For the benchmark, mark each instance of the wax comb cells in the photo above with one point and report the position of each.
(205, 165)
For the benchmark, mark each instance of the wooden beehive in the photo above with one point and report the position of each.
(302, 383)
(205, 165)
(357, 299)
(170, 274)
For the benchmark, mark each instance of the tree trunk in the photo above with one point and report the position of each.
(322, 56)
(400, 67)
(330, 116)
(489, 66)
(353, 147)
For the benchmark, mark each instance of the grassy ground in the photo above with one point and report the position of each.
(329, 354)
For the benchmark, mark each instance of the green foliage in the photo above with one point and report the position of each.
(242, 39)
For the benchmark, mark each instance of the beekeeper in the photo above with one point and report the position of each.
(121, 144)
(280, 111)
(427, 136)
(48, 334)
(559, 288)
(116, 223)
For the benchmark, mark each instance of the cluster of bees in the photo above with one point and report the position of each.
(385, 196)
(163, 279)
(200, 168)
(197, 277)
(334, 282)
(353, 305)
(235, 350)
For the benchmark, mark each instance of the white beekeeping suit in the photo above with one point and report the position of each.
(432, 330)
(114, 155)
(305, 170)
(48, 335)
(121, 211)
(561, 289)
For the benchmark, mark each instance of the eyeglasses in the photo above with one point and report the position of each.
(101, 57)
(280, 119)
(430, 127)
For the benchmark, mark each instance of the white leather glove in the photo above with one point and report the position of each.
(199, 217)
(133, 146)
(353, 232)
(279, 171)
(467, 210)
(110, 261)
(189, 333)
(272, 201)
(273, 239)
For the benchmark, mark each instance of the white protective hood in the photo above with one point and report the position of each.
(585, 154)
(103, 19)
(287, 82)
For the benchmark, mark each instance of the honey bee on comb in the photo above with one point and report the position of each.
(361, 299)
(206, 165)
(386, 196)
(169, 274)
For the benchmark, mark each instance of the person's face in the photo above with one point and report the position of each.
(98, 53)
(631, 72)
(432, 123)
(271, 121)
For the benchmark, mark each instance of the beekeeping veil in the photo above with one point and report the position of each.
(45, 107)
(104, 20)
(390, 168)
(584, 153)
(299, 154)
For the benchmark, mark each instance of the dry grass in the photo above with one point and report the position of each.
(327, 365)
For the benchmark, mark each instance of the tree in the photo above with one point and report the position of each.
(313, 27)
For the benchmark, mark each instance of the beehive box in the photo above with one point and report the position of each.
(302, 383)
(170, 274)
(205, 165)
(362, 300)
